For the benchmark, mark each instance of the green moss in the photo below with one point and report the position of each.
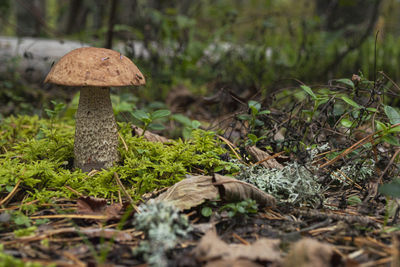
(39, 152)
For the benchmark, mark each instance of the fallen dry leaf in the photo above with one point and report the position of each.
(149, 136)
(190, 192)
(261, 157)
(211, 250)
(309, 252)
(235, 190)
(98, 206)
(195, 190)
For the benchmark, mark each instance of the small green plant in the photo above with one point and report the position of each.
(390, 132)
(242, 208)
(252, 118)
(207, 208)
(148, 119)
(318, 101)
(56, 111)
(188, 125)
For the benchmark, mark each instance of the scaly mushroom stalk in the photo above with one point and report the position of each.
(96, 133)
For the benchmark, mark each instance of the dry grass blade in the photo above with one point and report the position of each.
(396, 250)
(359, 143)
(71, 216)
(231, 146)
(11, 194)
(126, 192)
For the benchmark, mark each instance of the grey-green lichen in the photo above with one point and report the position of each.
(39, 153)
(354, 172)
(163, 227)
(294, 183)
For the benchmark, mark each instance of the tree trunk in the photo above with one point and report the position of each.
(30, 14)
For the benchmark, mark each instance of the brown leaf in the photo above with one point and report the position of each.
(152, 137)
(193, 191)
(235, 190)
(263, 157)
(90, 205)
(190, 192)
(98, 206)
(212, 249)
(310, 252)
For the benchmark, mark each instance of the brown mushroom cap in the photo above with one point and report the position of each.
(92, 66)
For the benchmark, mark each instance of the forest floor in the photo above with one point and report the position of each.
(300, 214)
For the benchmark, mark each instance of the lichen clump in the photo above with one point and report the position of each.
(39, 153)
(163, 227)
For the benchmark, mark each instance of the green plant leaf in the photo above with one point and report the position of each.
(354, 200)
(390, 139)
(351, 102)
(346, 82)
(206, 211)
(308, 91)
(392, 114)
(140, 115)
(380, 126)
(160, 113)
(254, 105)
(219, 168)
(394, 129)
(391, 189)
(182, 119)
(156, 126)
(346, 123)
(253, 138)
(195, 124)
(266, 111)
(244, 117)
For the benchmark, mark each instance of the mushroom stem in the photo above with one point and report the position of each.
(96, 133)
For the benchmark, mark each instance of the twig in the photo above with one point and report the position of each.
(126, 192)
(11, 194)
(231, 146)
(123, 141)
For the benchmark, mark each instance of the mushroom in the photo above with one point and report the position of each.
(94, 70)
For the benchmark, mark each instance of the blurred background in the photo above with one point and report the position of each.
(216, 49)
